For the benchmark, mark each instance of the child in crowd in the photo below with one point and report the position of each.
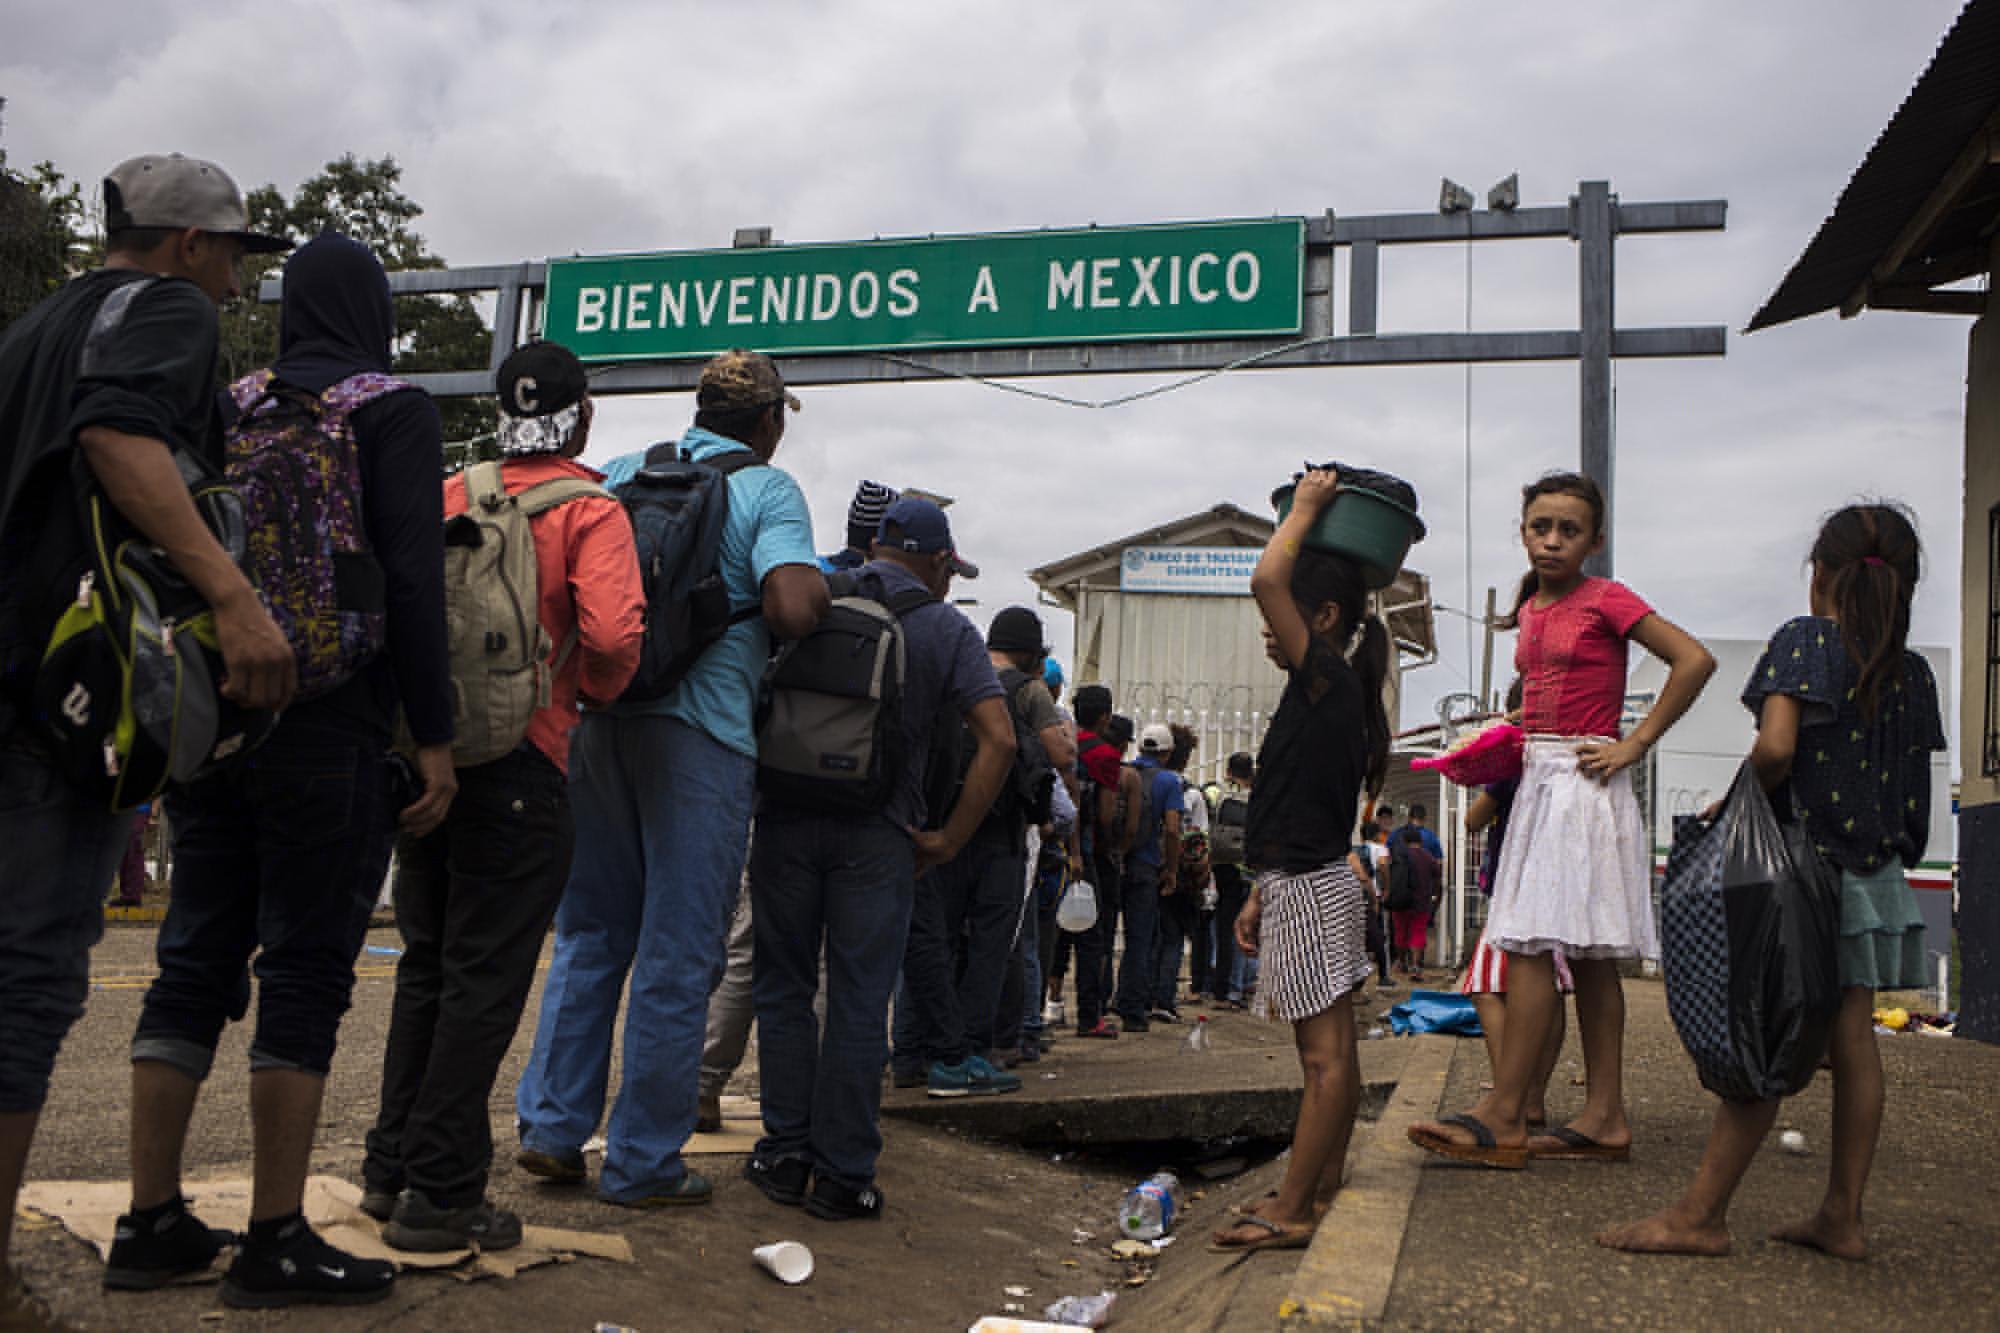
(1574, 873)
(1848, 716)
(1306, 911)
(1485, 977)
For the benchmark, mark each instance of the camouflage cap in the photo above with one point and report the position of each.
(738, 379)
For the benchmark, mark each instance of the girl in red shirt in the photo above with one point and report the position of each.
(1574, 872)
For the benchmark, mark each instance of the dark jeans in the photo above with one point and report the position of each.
(280, 856)
(977, 893)
(1142, 937)
(62, 849)
(1179, 916)
(1231, 890)
(1377, 941)
(473, 901)
(1093, 950)
(845, 884)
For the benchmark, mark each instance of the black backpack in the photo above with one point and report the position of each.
(1230, 836)
(678, 508)
(1027, 797)
(830, 733)
(1402, 894)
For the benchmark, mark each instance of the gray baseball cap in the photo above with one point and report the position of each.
(168, 190)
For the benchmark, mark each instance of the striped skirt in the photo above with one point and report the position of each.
(1312, 940)
(1486, 974)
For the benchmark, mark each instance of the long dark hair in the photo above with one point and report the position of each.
(1867, 562)
(1320, 577)
(1573, 484)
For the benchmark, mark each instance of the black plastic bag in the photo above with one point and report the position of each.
(1749, 924)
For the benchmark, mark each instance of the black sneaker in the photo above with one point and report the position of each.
(379, 1204)
(1163, 1014)
(832, 1201)
(1132, 1024)
(298, 1268)
(904, 1077)
(422, 1226)
(557, 1168)
(173, 1247)
(783, 1180)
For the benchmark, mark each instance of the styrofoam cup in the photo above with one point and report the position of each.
(786, 1260)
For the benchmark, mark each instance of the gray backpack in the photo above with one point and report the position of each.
(501, 668)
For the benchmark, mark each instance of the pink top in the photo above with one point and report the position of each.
(1571, 658)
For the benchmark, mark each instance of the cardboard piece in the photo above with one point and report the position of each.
(89, 1211)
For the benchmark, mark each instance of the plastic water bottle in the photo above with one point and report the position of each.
(1196, 1042)
(1148, 1212)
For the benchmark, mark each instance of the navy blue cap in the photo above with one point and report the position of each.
(920, 527)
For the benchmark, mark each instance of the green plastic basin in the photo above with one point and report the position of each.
(1370, 529)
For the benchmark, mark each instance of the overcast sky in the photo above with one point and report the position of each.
(529, 130)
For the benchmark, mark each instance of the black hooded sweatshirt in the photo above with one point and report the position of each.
(337, 319)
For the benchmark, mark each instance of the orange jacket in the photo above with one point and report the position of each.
(588, 582)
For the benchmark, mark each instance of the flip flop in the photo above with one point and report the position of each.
(1576, 1146)
(1320, 1207)
(1281, 1237)
(1482, 1151)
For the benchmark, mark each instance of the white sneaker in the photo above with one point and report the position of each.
(1053, 1013)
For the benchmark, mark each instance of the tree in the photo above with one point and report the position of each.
(42, 236)
(363, 199)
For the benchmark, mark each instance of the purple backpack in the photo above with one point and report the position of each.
(293, 458)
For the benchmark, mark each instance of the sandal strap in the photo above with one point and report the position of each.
(1481, 1135)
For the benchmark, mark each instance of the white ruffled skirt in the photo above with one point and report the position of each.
(1574, 868)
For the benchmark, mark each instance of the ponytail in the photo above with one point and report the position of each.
(1867, 561)
(1362, 639)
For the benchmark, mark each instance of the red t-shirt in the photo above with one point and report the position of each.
(1571, 659)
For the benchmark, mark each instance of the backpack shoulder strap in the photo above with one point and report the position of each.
(902, 603)
(350, 395)
(546, 495)
(734, 461)
(485, 488)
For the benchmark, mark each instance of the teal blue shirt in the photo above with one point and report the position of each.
(768, 526)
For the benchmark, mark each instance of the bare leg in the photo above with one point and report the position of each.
(1857, 1125)
(1552, 1047)
(1532, 1002)
(1600, 1019)
(163, 1100)
(17, 1135)
(1698, 1223)
(1331, 1099)
(284, 1115)
(1492, 1011)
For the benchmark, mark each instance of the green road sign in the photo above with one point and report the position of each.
(1110, 284)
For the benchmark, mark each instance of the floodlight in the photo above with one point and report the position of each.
(1506, 196)
(1454, 198)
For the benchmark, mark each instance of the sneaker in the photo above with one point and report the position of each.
(691, 1188)
(21, 1309)
(1104, 1031)
(949, 1080)
(173, 1247)
(1132, 1024)
(832, 1201)
(379, 1204)
(558, 1168)
(1030, 1052)
(1053, 1013)
(708, 1115)
(905, 1076)
(782, 1179)
(1008, 1058)
(421, 1226)
(1162, 1014)
(298, 1268)
(984, 1078)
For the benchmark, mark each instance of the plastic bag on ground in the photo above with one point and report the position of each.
(1435, 1011)
(1749, 924)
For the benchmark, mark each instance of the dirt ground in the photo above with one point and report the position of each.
(966, 1220)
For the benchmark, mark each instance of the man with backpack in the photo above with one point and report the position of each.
(951, 1013)
(1152, 869)
(1100, 767)
(116, 407)
(281, 855)
(661, 786)
(475, 896)
(1228, 842)
(842, 837)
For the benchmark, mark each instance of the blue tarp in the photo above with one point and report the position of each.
(1435, 1011)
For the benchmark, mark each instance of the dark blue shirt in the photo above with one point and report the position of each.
(1863, 788)
(1162, 788)
(946, 671)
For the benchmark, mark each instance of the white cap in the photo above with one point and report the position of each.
(1157, 736)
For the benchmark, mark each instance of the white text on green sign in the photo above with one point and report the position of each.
(1198, 280)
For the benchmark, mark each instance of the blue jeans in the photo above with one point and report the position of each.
(844, 884)
(977, 893)
(281, 857)
(62, 850)
(1142, 939)
(662, 815)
